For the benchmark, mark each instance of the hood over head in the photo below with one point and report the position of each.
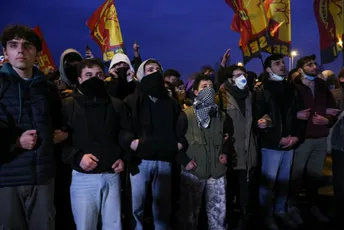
(141, 70)
(119, 57)
(68, 53)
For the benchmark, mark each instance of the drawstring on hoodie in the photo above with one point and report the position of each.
(21, 101)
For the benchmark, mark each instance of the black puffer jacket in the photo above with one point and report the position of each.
(26, 105)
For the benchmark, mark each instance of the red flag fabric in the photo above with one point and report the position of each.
(105, 30)
(45, 60)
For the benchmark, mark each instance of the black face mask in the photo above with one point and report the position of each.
(122, 73)
(118, 86)
(71, 72)
(153, 85)
(93, 87)
(341, 84)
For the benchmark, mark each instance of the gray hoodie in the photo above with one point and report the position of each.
(63, 76)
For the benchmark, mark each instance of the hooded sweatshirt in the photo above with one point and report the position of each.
(141, 70)
(63, 76)
(119, 57)
(158, 135)
(120, 87)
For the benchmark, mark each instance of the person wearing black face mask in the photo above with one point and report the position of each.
(68, 71)
(159, 142)
(121, 82)
(94, 149)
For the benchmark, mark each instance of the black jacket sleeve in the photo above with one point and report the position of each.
(125, 134)
(182, 127)
(221, 76)
(70, 154)
(300, 126)
(136, 62)
(228, 131)
(263, 108)
(330, 103)
(55, 106)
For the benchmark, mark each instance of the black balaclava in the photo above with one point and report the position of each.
(93, 87)
(70, 63)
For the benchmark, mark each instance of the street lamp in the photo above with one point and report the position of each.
(293, 54)
(340, 44)
(240, 64)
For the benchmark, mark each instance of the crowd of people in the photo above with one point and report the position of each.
(139, 148)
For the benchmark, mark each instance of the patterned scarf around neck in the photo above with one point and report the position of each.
(205, 107)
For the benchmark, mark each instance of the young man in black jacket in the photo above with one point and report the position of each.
(30, 111)
(154, 120)
(98, 131)
(275, 106)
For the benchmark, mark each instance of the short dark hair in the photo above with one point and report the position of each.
(179, 83)
(199, 78)
(291, 72)
(273, 57)
(20, 32)
(151, 61)
(341, 74)
(230, 69)
(206, 68)
(89, 63)
(302, 61)
(171, 87)
(171, 72)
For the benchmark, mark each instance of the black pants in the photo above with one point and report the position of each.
(338, 181)
(29, 207)
(64, 216)
(238, 186)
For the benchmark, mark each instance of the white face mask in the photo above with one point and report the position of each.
(241, 82)
(276, 77)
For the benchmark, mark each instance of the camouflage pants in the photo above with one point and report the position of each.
(191, 190)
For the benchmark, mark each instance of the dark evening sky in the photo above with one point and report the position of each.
(182, 34)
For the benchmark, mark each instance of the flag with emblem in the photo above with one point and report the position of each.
(250, 21)
(106, 31)
(330, 18)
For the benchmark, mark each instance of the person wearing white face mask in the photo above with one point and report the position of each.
(275, 105)
(237, 103)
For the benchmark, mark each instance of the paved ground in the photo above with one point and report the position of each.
(326, 202)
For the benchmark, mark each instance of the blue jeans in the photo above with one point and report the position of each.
(158, 173)
(95, 195)
(276, 168)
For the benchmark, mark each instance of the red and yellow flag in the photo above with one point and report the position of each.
(45, 60)
(250, 20)
(105, 30)
(278, 16)
(330, 17)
